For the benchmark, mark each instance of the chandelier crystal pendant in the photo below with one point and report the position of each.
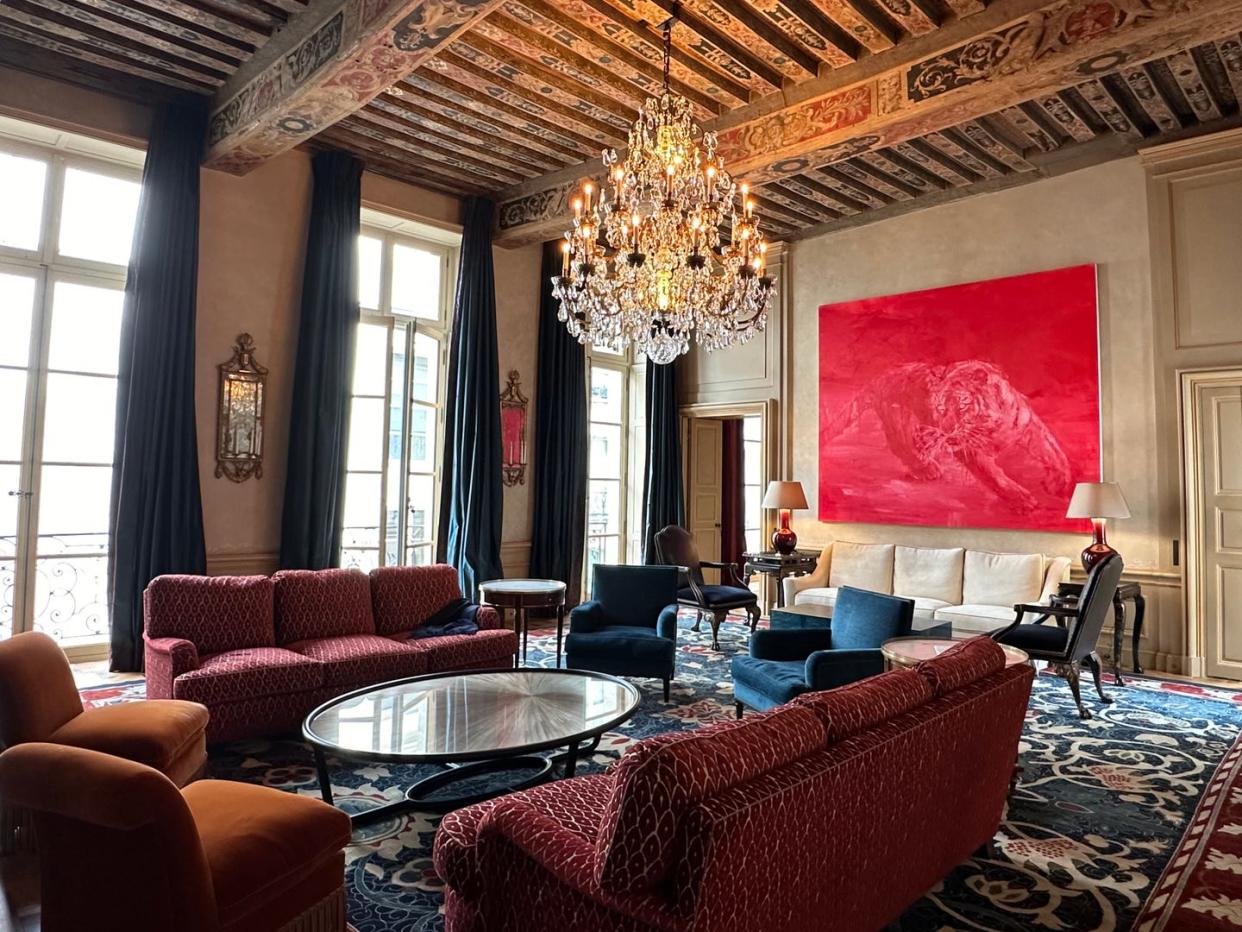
(645, 262)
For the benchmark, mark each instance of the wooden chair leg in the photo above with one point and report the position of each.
(667, 682)
(1093, 661)
(753, 611)
(698, 620)
(1072, 676)
(738, 709)
(716, 619)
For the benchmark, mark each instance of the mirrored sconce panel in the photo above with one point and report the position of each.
(239, 425)
(513, 431)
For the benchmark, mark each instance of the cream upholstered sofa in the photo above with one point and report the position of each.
(972, 590)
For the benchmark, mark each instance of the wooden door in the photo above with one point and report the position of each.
(705, 486)
(1217, 447)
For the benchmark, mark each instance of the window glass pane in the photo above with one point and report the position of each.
(97, 216)
(16, 307)
(606, 394)
(73, 500)
(9, 476)
(415, 282)
(604, 507)
(71, 597)
(426, 368)
(21, 192)
(86, 328)
(79, 418)
(370, 263)
(750, 428)
(366, 434)
(605, 452)
(420, 556)
(420, 520)
(364, 560)
(422, 438)
(12, 409)
(371, 360)
(750, 462)
(362, 502)
(600, 550)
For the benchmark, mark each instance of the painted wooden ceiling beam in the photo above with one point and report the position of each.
(328, 62)
(1012, 52)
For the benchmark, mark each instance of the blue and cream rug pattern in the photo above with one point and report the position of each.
(1100, 805)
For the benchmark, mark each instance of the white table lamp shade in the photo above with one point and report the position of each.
(1098, 500)
(784, 495)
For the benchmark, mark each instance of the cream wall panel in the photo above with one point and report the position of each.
(1206, 228)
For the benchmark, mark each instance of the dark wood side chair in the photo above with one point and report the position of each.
(675, 547)
(1072, 640)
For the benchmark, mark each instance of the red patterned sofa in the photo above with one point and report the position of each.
(832, 813)
(260, 652)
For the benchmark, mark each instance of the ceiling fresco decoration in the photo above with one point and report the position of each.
(839, 111)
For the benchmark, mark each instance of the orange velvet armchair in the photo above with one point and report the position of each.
(121, 849)
(40, 702)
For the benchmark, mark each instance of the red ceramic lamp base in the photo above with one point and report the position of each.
(784, 540)
(1099, 550)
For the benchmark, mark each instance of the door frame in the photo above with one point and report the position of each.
(1189, 383)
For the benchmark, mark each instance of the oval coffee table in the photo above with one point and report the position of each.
(476, 722)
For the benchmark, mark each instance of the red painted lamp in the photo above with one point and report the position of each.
(1097, 501)
(784, 497)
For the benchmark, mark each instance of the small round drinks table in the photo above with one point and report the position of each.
(475, 723)
(521, 595)
(906, 652)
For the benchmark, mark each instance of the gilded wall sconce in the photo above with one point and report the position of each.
(239, 424)
(513, 431)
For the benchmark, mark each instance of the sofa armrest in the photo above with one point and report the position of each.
(827, 669)
(793, 644)
(515, 840)
(816, 580)
(165, 659)
(487, 618)
(666, 624)
(1058, 572)
(587, 618)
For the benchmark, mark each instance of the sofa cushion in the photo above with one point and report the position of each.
(361, 659)
(633, 641)
(258, 840)
(929, 572)
(321, 604)
(775, 680)
(156, 732)
(485, 648)
(214, 613)
(847, 710)
(1057, 573)
(826, 596)
(863, 566)
(248, 673)
(925, 609)
(403, 597)
(972, 619)
(962, 664)
(660, 778)
(1002, 578)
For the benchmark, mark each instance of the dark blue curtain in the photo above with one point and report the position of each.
(663, 501)
(561, 444)
(470, 494)
(310, 526)
(156, 519)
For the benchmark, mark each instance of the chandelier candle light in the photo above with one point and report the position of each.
(645, 262)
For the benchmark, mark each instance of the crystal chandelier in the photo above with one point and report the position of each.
(645, 262)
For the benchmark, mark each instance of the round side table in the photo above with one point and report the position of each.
(908, 651)
(521, 595)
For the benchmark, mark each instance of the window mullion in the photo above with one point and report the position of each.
(407, 419)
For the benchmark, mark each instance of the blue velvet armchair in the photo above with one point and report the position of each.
(786, 663)
(629, 628)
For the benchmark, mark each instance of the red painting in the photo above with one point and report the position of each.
(975, 405)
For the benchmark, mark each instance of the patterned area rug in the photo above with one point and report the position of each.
(1201, 888)
(1100, 805)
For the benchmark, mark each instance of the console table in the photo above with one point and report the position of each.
(771, 563)
(1068, 593)
(521, 595)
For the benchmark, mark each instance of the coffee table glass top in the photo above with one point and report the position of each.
(472, 715)
(911, 650)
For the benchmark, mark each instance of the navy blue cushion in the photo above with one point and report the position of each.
(634, 595)
(624, 650)
(784, 620)
(720, 596)
(777, 680)
(863, 619)
(1046, 638)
